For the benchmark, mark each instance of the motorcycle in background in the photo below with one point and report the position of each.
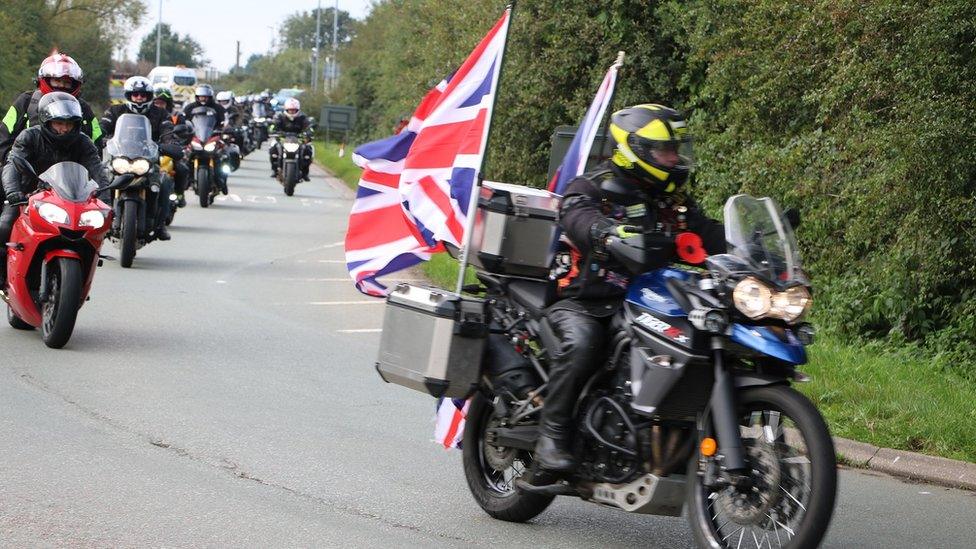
(54, 251)
(133, 157)
(206, 154)
(260, 120)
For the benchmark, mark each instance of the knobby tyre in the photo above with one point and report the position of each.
(491, 472)
(794, 476)
(130, 232)
(60, 311)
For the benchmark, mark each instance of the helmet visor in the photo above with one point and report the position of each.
(677, 153)
(64, 110)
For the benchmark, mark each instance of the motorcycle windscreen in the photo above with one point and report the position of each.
(70, 181)
(257, 110)
(132, 139)
(757, 232)
(204, 121)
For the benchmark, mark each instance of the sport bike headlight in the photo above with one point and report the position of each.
(121, 165)
(752, 298)
(140, 166)
(196, 146)
(291, 147)
(756, 300)
(92, 218)
(51, 213)
(210, 147)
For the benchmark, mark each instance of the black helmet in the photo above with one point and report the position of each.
(140, 85)
(205, 90)
(653, 146)
(60, 106)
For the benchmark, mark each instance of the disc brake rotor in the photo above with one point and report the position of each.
(748, 506)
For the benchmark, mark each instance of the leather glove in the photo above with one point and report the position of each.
(16, 197)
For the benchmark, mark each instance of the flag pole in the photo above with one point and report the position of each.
(606, 116)
(472, 210)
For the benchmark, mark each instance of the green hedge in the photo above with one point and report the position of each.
(859, 112)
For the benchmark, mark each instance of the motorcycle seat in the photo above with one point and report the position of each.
(535, 296)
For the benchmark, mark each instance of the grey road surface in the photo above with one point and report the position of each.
(221, 393)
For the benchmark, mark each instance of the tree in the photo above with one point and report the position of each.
(174, 49)
(298, 30)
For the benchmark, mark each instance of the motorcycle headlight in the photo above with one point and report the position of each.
(140, 166)
(291, 147)
(756, 300)
(92, 218)
(196, 146)
(52, 213)
(752, 298)
(210, 147)
(121, 165)
(791, 304)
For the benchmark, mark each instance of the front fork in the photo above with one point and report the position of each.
(725, 415)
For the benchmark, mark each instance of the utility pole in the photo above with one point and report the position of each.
(318, 44)
(335, 44)
(159, 27)
(237, 62)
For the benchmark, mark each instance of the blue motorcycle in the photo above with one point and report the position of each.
(693, 407)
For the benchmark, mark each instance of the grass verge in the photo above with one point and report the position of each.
(327, 154)
(892, 399)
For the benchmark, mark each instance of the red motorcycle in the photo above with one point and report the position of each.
(53, 251)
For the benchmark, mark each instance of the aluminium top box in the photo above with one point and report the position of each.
(515, 230)
(433, 341)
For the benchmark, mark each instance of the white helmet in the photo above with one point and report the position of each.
(292, 108)
(141, 86)
(225, 98)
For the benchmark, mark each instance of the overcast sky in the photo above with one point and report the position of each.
(218, 25)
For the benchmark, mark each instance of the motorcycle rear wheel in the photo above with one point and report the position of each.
(494, 489)
(129, 228)
(59, 312)
(794, 474)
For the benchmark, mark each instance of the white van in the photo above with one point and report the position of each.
(180, 80)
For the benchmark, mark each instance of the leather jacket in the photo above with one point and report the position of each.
(42, 152)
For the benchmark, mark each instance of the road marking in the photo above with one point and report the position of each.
(333, 245)
(363, 331)
(221, 282)
(332, 261)
(371, 302)
(347, 279)
(224, 198)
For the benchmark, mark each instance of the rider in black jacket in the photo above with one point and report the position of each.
(163, 99)
(57, 73)
(138, 93)
(641, 189)
(293, 121)
(205, 98)
(57, 138)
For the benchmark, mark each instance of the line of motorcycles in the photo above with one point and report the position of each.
(56, 243)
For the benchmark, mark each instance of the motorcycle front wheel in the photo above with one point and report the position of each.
(291, 178)
(203, 186)
(790, 497)
(130, 230)
(59, 312)
(491, 471)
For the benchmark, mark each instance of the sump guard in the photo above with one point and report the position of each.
(649, 495)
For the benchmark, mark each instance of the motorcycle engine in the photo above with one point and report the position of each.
(609, 441)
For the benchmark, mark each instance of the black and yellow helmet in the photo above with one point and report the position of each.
(653, 145)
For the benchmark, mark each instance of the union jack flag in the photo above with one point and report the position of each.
(415, 187)
(449, 423)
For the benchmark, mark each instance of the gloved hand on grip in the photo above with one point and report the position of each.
(16, 197)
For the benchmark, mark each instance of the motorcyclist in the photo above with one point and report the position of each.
(58, 72)
(232, 114)
(291, 120)
(138, 93)
(651, 163)
(56, 138)
(204, 96)
(163, 99)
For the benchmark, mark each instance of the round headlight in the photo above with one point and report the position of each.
(752, 298)
(209, 147)
(92, 218)
(51, 213)
(121, 165)
(140, 166)
(791, 304)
